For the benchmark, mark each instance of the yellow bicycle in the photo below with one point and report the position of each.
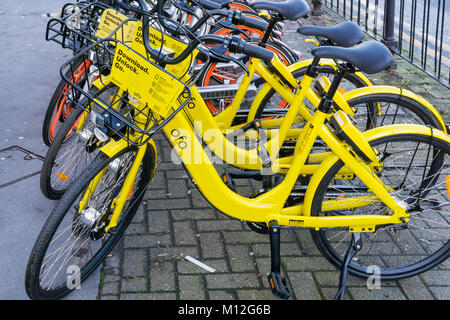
(370, 107)
(374, 188)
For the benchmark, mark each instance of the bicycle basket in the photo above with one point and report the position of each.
(129, 96)
(83, 23)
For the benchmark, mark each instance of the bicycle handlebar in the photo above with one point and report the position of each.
(242, 19)
(209, 5)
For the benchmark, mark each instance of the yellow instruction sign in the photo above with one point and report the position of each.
(109, 22)
(144, 81)
(168, 43)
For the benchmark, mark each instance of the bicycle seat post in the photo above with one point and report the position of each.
(272, 22)
(327, 102)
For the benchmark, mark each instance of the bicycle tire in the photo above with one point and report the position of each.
(49, 236)
(332, 245)
(51, 118)
(69, 154)
(412, 111)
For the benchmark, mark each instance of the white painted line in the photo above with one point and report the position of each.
(200, 264)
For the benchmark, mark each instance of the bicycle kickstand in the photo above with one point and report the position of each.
(353, 249)
(278, 283)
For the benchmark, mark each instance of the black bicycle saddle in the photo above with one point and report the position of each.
(369, 57)
(345, 34)
(290, 9)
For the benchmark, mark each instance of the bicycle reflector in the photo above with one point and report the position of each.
(62, 176)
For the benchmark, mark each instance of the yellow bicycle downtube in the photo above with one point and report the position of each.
(90, 191)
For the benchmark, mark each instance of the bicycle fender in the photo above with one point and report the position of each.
(353, 94)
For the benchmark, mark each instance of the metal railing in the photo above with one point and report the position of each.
(417, 30)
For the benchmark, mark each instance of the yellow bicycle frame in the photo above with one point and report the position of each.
(191, 126)
(270, 205)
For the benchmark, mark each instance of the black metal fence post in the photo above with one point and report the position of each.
(317, 8)
(389, 25)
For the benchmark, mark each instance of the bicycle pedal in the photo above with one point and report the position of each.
(279, 285)
(226, 178)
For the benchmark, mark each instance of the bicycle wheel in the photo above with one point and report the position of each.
(74, 147)
(60, 106)
(417, 167)
(70, 240)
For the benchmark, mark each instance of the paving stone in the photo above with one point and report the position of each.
(135, 262)
(184, 233)
(177, 188)
(415, 289)
(187, 267)
(232, 280)
(303, 286)
(163, 204)
(198, 200)
(191, 287)
(134, 285)
(172, 253)
(193, 214)
(158, 222)
(218, 225)
(307, 263)
(135, 228)
(220, 295)
(158, 182)
(162, 276)
(109, 297)
(145, 240)
(244, 237)
(149, 296)
(286, 249)
(110, 288)
(436, 278)
(385, 293)
(306, 242)
(331, 279)
(239, 257)
(140, 215)
(177, 174)
(441, 293)
(113, 260)
(256, 295)
(155, 194)
(211, 245)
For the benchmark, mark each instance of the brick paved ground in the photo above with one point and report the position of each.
(175, 220)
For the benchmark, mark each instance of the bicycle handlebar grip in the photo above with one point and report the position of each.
(252, 22)
(209, 5)
(257, 52)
